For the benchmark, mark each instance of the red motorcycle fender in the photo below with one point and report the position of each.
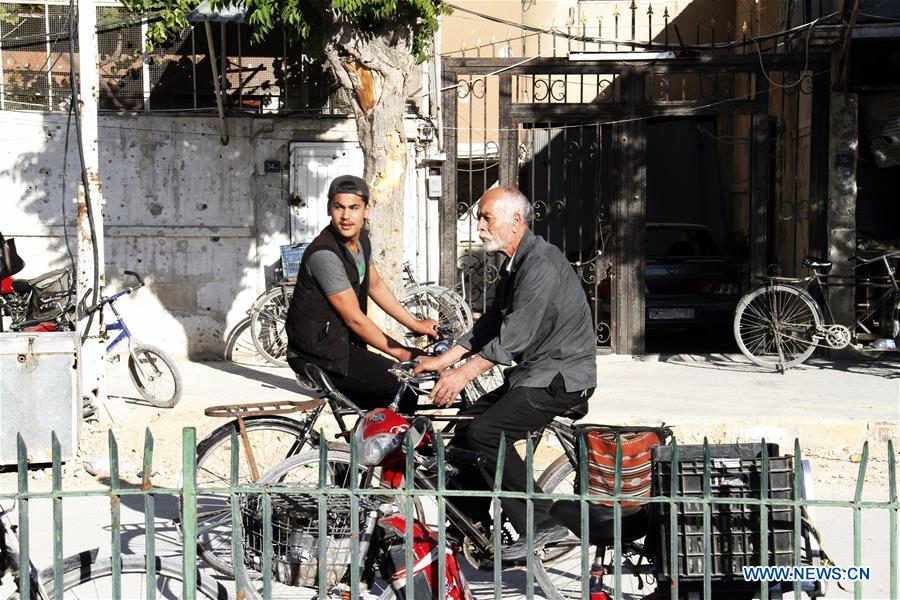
(425, 567)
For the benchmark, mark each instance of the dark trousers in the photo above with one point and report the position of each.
(367, 383)
(517, 413)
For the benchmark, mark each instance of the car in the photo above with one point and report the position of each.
(689, 281)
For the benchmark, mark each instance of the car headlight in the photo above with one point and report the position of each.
(370, 452)
(726, 289)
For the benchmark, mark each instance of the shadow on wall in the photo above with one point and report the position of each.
(196, 218)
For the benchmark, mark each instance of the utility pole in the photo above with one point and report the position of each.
(90, 206)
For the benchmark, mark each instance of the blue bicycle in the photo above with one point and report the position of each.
(153, 373)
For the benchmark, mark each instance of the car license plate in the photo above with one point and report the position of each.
(660, 314)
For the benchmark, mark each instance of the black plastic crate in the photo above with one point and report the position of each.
(735, 472)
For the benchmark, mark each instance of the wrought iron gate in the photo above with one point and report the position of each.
(572, 136)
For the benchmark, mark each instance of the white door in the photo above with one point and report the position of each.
(313, 166)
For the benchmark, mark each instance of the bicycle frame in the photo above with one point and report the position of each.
(823, 282)
(119, 324)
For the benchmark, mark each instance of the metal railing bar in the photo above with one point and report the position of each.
(798, 470)
(673, 520)
(892, 516)
(149, 515)
(764, 519)
(266, 563)
(24, 530)
(323, 518)
(442, 515)
(354, 521)
(249, 489)
(115, 516)
(857, 517)
(617, 520)
(233, 505)
(408, 538)
(586, 561)
(57, 519)
(498, 516)
(707, 517)
(189, 511)
(529, 515)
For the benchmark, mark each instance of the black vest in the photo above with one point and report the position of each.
(314, 329)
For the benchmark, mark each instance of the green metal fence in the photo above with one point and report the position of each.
(441, 495)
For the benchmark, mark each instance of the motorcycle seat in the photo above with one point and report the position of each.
(21, 286)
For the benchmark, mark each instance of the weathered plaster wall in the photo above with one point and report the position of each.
(203, 222)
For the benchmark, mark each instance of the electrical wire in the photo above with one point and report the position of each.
(63, 199)
(635, 43)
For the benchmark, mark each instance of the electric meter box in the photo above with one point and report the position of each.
(39, 394)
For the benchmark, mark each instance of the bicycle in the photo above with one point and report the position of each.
(85, 576)
(153, 373)
(781, 323)
(380, 438)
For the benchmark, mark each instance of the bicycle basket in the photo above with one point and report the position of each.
(296, 536)
(636, 471)
(51, 294)
(291, 255)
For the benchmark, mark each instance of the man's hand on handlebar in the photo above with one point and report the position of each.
(426, 327)
(448, 387)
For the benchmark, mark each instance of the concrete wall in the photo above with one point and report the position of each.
(202, 221)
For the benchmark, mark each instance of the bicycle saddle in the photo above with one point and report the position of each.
(576, 412)
(601, 529)
(817, 263)
(319, 377)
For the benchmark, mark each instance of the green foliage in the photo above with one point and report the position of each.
(306, 19)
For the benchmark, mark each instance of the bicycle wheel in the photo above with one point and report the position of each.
(155, 375)
(85, 579)
(438, 303)
(303, 472)
(267, 317)
(560, 570)
(777, 326)
(450, 310)
(272, 439)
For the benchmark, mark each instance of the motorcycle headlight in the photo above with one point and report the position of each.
(370, 452)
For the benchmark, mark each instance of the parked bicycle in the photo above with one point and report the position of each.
(85, 576)
(152, 371)
(781, 323)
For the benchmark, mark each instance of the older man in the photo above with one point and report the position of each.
(540, 320)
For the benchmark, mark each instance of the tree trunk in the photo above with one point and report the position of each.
(374, 68)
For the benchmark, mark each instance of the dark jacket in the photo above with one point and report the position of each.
(540, 320)
(315, 330)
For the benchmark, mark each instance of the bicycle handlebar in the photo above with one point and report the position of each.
(83, 309)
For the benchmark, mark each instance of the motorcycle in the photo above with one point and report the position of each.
(308, 533)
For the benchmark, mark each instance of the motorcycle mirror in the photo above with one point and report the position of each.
(416, 432)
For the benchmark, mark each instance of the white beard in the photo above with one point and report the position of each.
(493, 245)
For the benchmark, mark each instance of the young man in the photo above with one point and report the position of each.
(327, 323)
(541, 321)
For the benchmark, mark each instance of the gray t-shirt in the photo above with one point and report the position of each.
(328, 270)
